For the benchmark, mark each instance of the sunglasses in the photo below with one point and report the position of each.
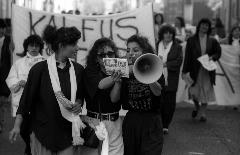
(104, 55)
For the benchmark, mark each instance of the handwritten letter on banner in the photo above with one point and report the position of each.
(118, 27)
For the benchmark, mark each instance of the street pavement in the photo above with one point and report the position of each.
(220, 135)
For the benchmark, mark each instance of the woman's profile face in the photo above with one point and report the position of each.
(133, 52)
(70, 50)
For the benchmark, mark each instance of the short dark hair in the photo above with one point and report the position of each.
(65, 36)
(182, 22)
(99, 44)
(142, 42)
(48, 34)
(2, 23)
(32, 39)
(159, 14)
(205, 21)
(165, 29)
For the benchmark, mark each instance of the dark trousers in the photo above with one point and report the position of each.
(142, 134)
(168, 107)
(25, 134)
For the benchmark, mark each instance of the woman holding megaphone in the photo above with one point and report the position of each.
(142, 127)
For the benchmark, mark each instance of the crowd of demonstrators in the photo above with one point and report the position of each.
(171, 53)
(202, 80)
(5, 65)
(17, 78)
(52, 91)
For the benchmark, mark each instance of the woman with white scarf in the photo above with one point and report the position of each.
(17, 78)
(53, 97)
(171, 53)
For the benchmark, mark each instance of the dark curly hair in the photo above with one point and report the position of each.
(48, 34)
(65, 36)
(205, 21)
(32, 39)
(142, 42)
(165, 29)
(98, 45)
(230, 37)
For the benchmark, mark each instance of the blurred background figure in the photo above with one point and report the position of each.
(233, 38)
(5, 65)
(158, 21)
(171, 53)
(180, 29)
(201, 81)
(218, 29)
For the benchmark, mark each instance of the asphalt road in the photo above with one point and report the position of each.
(220, 135)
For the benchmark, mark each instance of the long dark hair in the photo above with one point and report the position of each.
(230, 37)
(98, 45)
(32, 39)
(161, 15)
(207, 21)
(142, 42)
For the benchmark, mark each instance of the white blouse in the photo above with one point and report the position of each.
(19, 71)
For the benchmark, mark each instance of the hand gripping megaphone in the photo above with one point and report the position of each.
(148, 68)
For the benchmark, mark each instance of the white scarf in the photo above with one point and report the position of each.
(77, 123)
(163, 53)
(32, 60)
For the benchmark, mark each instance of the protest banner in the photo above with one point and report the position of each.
(118, 27)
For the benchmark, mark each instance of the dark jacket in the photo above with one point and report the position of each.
(193, 52)
(52, 130)
(174, 62)
(5, 66)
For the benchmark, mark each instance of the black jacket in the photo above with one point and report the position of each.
(5, 66)
(193, 52)
(52, 130)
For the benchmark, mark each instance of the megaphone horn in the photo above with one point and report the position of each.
(148, 68)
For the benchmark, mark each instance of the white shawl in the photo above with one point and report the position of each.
(77, 123)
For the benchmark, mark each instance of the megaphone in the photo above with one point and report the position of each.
(148, 68)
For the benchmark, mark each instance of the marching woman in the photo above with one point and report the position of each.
(53, 96)
(142, 127)
(103, 94)
(171, 53)
(17, 78)
(200, 79)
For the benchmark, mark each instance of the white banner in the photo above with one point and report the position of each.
(227, 88)
(118, 27)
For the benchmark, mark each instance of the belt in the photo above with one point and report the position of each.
(108, 116)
